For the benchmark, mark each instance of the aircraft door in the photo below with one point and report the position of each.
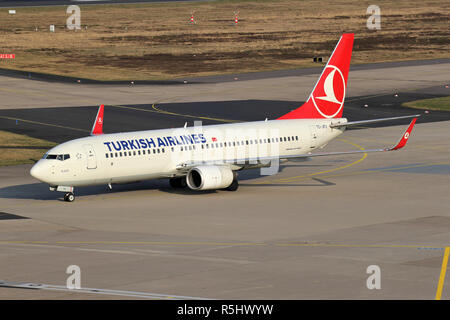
(91, 161)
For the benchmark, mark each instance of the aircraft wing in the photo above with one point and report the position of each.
(237, 164)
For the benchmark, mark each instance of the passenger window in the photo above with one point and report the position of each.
(111, 155)
(134, 153)
(106, 155)
(129, 153)
(120, 153)
(154, 150)
(116, 154)
(158, 151)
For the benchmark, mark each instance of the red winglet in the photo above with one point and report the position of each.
(98, 124)
(405, 136)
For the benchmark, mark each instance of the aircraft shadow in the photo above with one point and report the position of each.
(40, 191)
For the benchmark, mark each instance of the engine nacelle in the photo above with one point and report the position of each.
(209, 177)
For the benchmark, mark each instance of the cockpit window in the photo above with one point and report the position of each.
(60, 157)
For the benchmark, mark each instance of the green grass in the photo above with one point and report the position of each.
(18, 149)
(441, 104)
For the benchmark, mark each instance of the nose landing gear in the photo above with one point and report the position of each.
(69, 197)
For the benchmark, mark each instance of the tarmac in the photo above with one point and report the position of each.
(309, 232)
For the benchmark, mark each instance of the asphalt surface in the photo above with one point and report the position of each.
(221, 78)
(309, 232)
(63, 124)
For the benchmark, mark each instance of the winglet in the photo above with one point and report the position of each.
(97, 128)
(405, 136)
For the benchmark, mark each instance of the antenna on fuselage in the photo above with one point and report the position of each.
(185, 125)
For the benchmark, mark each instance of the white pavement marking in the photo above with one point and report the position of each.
(133, 294)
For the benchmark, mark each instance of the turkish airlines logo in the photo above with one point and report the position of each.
(406, 136)
(100, 121)
(329, 94)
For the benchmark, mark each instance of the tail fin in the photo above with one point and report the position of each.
(97, 128)
(327, 98)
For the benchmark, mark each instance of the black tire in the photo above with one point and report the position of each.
(178, 183)
(69, 197)
(233, 186)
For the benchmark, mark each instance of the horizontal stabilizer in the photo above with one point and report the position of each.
(356, 123)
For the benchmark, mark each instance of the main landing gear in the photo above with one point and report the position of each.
(233, 186)
(178, 183)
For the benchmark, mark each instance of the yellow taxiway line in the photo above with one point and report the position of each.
(442, 275)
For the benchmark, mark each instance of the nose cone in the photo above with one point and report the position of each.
(39, 171)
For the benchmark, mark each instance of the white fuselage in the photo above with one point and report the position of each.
(142, 155)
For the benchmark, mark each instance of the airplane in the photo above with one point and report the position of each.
(209, 157)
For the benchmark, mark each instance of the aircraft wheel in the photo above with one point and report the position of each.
(69, 197)
(233, 186)
(178, 182)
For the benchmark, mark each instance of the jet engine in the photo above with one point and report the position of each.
(209, 177)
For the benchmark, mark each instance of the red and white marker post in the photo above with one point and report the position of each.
(236, 17)
(192, 21)
(7, 56)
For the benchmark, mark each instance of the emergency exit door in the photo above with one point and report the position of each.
(91, 159)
